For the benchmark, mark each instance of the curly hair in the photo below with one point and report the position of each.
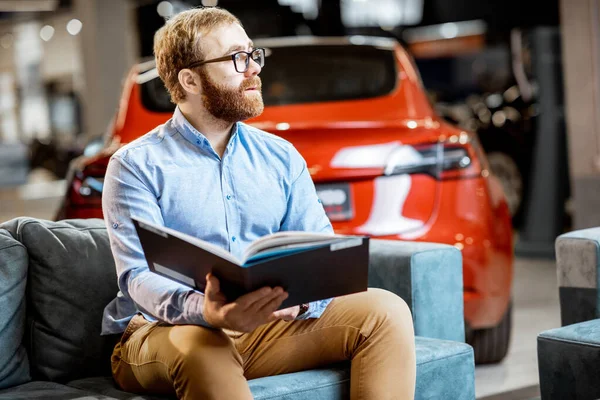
(177, 43)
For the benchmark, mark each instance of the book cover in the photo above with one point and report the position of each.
(309, 266)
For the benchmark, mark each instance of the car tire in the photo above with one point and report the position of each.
(490, 345)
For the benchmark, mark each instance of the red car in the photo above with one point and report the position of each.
(383, 163)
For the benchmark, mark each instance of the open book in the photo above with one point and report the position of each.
(310, 266)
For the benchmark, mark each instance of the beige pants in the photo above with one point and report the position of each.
(373, 329)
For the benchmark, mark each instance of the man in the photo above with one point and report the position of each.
(209, 175)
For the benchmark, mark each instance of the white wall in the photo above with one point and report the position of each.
(580, 27)
(108, 45)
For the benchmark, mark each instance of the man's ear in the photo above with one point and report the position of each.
(189, 80)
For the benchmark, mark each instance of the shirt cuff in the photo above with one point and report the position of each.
(315, 309)
(192, 310)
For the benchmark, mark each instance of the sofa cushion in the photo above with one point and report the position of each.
(318, 384)
(49, 391)
(106, 386)
(568, 360)
(445, 370)
(14, 365)
(71, 278)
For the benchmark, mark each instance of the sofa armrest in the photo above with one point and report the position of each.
(14, 363)
(428, 277)
(577, 263)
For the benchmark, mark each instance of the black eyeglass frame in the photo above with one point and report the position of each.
(232, 58)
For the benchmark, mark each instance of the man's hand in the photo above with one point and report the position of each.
(287, 314)
(247, 312)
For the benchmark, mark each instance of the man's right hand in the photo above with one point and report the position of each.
(245, 313)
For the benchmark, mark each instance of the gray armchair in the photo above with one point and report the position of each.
(569, 357)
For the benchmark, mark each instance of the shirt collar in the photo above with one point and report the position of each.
(187, 130)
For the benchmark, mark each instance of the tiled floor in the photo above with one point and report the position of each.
(535, 299)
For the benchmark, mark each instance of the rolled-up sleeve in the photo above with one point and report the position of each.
(126, 194)
(305, 213)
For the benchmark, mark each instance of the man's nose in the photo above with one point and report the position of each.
(253, 68)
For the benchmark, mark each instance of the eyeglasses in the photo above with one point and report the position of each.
(241, 59)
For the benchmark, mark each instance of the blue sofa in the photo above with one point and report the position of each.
(56, 278)
(569, 357)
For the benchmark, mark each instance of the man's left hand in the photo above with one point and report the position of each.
(287, 314)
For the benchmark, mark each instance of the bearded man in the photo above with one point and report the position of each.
(207, 174)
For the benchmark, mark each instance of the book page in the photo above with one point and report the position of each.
(286, 238)
(287, 249)
(216, 250)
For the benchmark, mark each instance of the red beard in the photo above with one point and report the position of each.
(232, 105)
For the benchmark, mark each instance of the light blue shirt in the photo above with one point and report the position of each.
(173, 177)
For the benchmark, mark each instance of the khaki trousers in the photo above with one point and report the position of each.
(373, 329)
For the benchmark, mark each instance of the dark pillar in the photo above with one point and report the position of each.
(544, 213)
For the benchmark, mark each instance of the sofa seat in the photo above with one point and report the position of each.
(568, 359)
(434, 359)
(49, 391)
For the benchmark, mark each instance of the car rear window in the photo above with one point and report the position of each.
(307, 74)
(155, 96)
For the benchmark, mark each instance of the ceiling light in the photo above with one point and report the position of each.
(74, 26)
(164, 9)
(46, 33)
(449, 30)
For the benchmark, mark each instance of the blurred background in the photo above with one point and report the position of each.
(523, 75)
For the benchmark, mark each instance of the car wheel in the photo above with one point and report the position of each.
(491, 345)
(505, 168)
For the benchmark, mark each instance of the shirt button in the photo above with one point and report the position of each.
(115, 225)
(233, 238)
(228, 197)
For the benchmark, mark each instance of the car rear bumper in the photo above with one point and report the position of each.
(468, 217)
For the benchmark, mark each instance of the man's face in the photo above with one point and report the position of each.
(227, 94)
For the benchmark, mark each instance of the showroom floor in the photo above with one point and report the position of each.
(535, 299)
(536, 308)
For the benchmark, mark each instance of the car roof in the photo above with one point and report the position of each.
(383, 43)
(355, 40)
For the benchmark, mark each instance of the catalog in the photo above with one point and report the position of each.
(309, 266)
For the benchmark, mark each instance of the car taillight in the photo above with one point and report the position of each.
(85, 186)
(442, 160)
(91, 186)
(86, 189)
